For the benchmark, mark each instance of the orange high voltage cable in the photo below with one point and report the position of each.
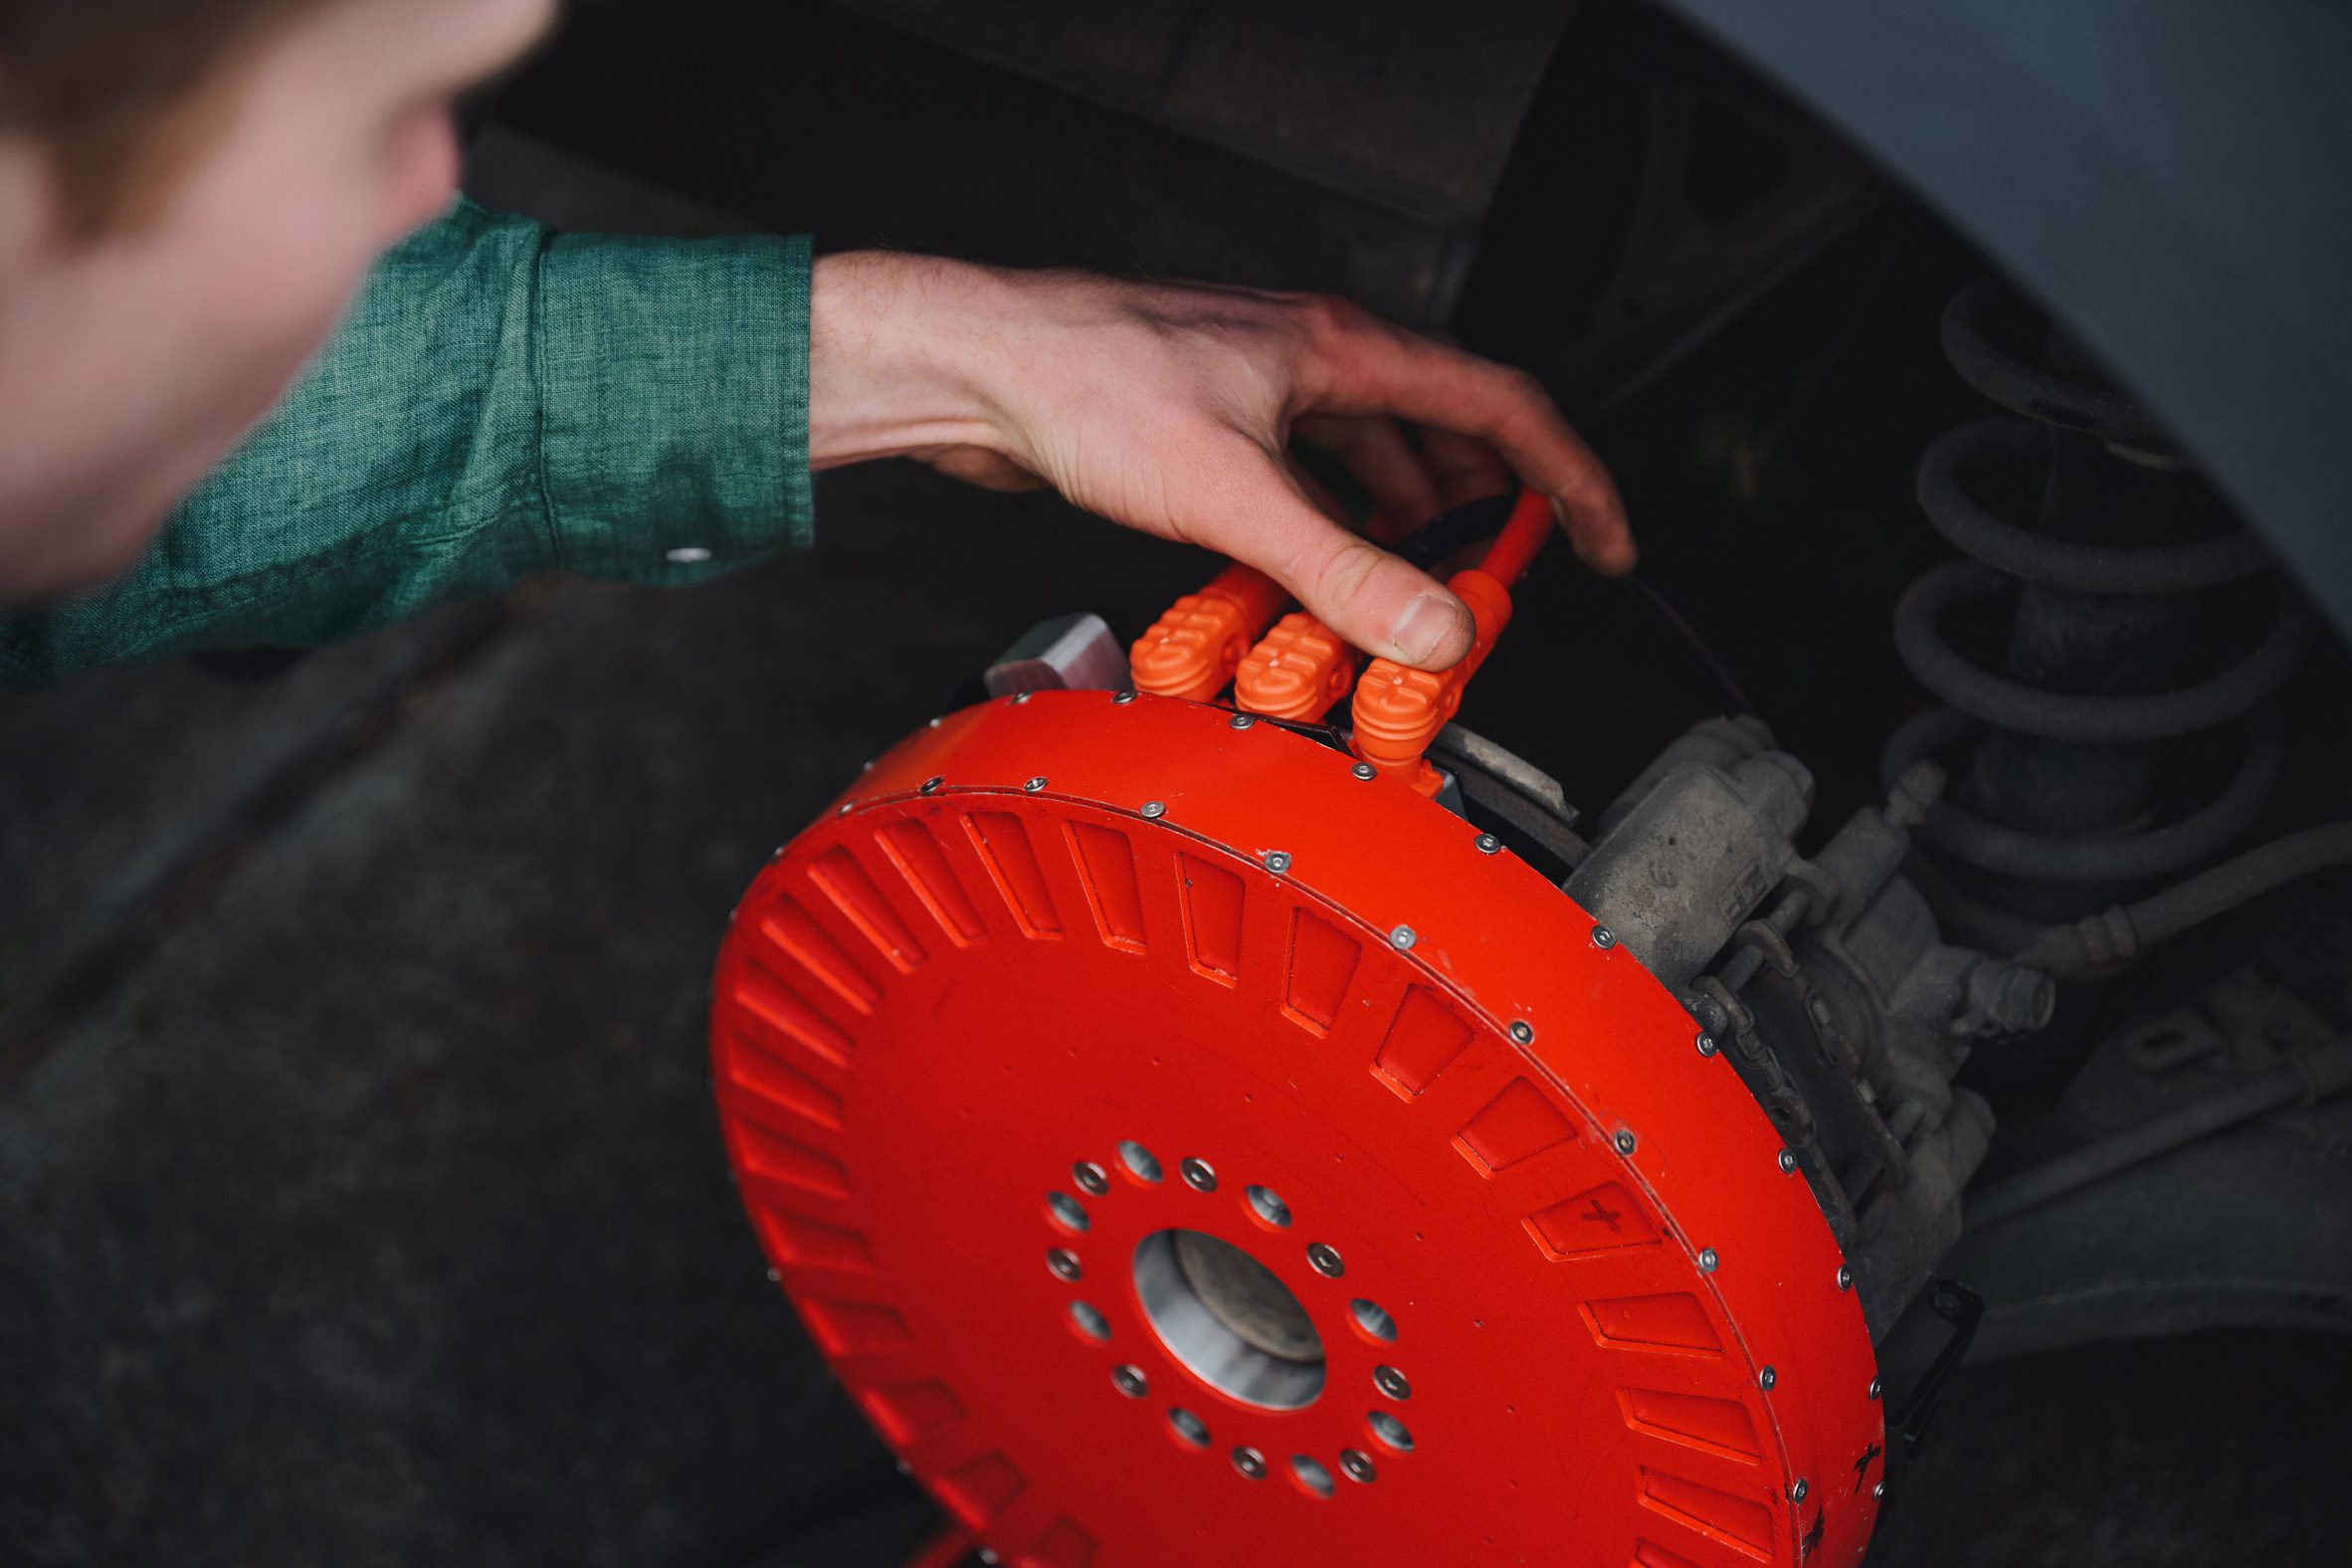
(1192, 650)
(1398, 709)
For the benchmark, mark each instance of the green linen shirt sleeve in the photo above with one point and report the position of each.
(499, 398)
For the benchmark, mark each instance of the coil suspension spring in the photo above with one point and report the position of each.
(2060, 759)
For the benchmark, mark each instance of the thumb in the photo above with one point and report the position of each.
(1370, 598)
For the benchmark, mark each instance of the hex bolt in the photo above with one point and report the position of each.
(1707, 1043)
(1356, 1464)
(1488, 843)
(1624, 1140)
(1365, 771)
(1797, 1490)
(1522, 1032)
(1875, 1388)
(1155, 808)
(1065, 1264)
(1707, 1260)
(1123, 698)
(1326, 1260)
(931, 784)
(1241, 722)
(1604, 938)
(1788, 1161)
(1277, 861)
(1250, 1462)
(1391, 1382)
(1198, 1175)
(1402, 938)
(1766, 1378)
(1845, 1277)
(1131, 1381)
(1032, 784)
(1090, 1176)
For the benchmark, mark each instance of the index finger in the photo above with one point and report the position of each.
(1364, 365)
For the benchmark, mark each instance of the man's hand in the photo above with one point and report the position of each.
(1168, 407)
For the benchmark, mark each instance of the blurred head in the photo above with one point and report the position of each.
(190, 191)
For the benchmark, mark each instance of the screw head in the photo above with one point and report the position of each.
(1090, 1176)
(1250, 1462)
(1065, 1264)
(988, 1556)
(1797, 1490)
(1845, 1277)
(1018, 697)
(1707, 1043)
(1124, 697)
(1277, 861)
(1155, 808)
(1198, 1175)
(1604, 938)
(931, 784)
(1875, 1388)
(1522, 1032)
(1241, 722)
(1788, 1161)
(1877, 1488)
(1488, 843)
(1131, 1381)
(1356, 1464)
(1707, 1260)
(845, 808)
(1365, 771)
(1402, 938)
(1391, 1382)
(1766, 1378)
(1624, 1140)
(1034, 783)
(1325, 1259)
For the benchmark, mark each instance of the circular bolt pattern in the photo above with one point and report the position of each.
(1138, 1160)
(1401, 938)
(1707, 1259)
(1131, 1381)
(1277, 861)
(1365, 771)
(1155, 808)
(1522, 1032)
(1875, 1388)
(1707, 1043)
(1356, 1464)
(1067, 1212)
(1373, 1320)
(1845, 1277)
(1311, 1475)
(1090, 1175)
(1250, 1462)
(1198, 1175)
(1065, 1263)
(1391, 1382)
(1624, 1140)
(1797, 1490)
(1033, 783)
(1326, 1260)
(1091, 1322)
(1270, 1207)
(1488, 843)
(1190, 1428)
(1604, 938)
(1389, 1431)
(1766, 1378)
(932, 783)
(1788, 1161)
(1241, 722)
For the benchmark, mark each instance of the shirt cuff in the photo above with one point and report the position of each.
(673, 403)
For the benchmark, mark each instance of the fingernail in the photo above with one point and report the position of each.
(1428, 621)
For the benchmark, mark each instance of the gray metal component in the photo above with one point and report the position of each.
(1682, 870)
(1069, 653)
